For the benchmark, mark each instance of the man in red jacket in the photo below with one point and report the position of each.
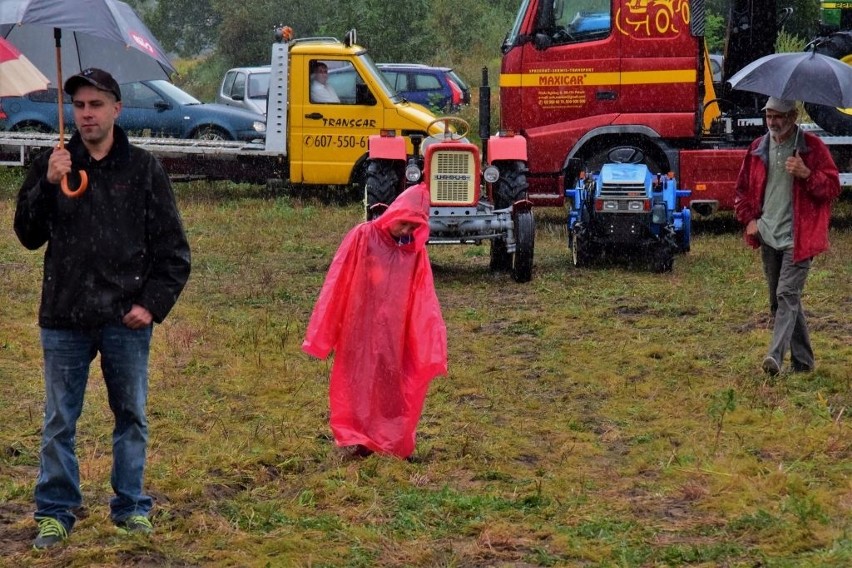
(784, 193)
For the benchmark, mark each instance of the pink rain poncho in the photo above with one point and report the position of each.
(379, 313)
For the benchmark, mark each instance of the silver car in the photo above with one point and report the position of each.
(245, 87)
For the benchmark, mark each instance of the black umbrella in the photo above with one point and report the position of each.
(98, 33)
(799, 76)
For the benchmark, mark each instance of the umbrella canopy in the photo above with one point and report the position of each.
(17, 75)
(801, 76)
(97, 30)
(95, 33)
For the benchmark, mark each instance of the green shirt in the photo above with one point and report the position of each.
(776, 221)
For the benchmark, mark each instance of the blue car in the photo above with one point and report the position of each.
(149, 108)
(437, 88)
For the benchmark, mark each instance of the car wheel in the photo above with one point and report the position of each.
(380, 187)
(210, 132)
(522, 264)
(31, 127)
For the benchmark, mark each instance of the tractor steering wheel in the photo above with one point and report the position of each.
(455, 128)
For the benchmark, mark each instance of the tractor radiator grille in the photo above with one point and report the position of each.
(628, 190)
(452, 177)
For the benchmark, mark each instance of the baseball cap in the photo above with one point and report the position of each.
(779, 105)
(95, 77)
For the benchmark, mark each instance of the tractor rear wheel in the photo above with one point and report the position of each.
(522, 264)
(381, 187)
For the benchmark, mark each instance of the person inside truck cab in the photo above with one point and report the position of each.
(321, 91)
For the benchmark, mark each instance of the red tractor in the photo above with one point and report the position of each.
(473, 198)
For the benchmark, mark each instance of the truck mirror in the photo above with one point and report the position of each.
(542, 41)
(363, 95)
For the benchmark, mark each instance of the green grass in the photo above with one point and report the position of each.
(600, 417)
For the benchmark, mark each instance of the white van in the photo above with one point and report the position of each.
(245, 87)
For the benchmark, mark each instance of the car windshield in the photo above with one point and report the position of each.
(454, 76)
(258, 87)
(171, 91)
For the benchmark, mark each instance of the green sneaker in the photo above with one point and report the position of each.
(50, 533)
(135, 524)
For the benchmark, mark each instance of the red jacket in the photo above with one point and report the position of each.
(812, 197)
(379, 313)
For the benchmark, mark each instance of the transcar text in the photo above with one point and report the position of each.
(350, 122)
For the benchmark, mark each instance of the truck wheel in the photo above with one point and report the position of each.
(662, 258)
(522, 264)
(512, 185)
(582, 253)
(381, 187)
(501, 261)
(834, 120)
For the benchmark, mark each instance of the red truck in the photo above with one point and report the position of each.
(629, 81)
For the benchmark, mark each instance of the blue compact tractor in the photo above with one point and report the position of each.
(626, 210)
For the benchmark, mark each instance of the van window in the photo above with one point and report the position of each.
(348, 85)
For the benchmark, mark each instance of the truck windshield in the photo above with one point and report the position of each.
(512, 36)
(381, 82)
(580, 20)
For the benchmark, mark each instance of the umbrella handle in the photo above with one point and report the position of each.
(84, 183)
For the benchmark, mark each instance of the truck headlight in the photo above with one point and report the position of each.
(412, 173)
(259, 126)
(491, 174)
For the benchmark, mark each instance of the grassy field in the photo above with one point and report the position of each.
(600, 417)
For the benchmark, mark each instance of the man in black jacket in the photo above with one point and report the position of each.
(117, 259)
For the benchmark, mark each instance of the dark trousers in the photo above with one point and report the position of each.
(786, 282)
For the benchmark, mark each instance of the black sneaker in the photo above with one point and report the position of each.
(50, 533)
(771, 366)
(135, 524)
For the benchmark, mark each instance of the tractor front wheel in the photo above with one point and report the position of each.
(512, 185)
(582, 254)
(381, 186)
(522, 264)
(662, 258)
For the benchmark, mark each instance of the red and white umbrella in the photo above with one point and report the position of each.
(17, 75)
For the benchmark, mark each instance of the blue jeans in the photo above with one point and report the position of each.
(124, 362)
(786, 282)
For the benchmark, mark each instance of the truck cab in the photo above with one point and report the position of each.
(325, 139)
(598, 80)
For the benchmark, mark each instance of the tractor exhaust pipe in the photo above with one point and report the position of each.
(484, 114)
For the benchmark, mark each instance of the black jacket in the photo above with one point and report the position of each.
(120, 243)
